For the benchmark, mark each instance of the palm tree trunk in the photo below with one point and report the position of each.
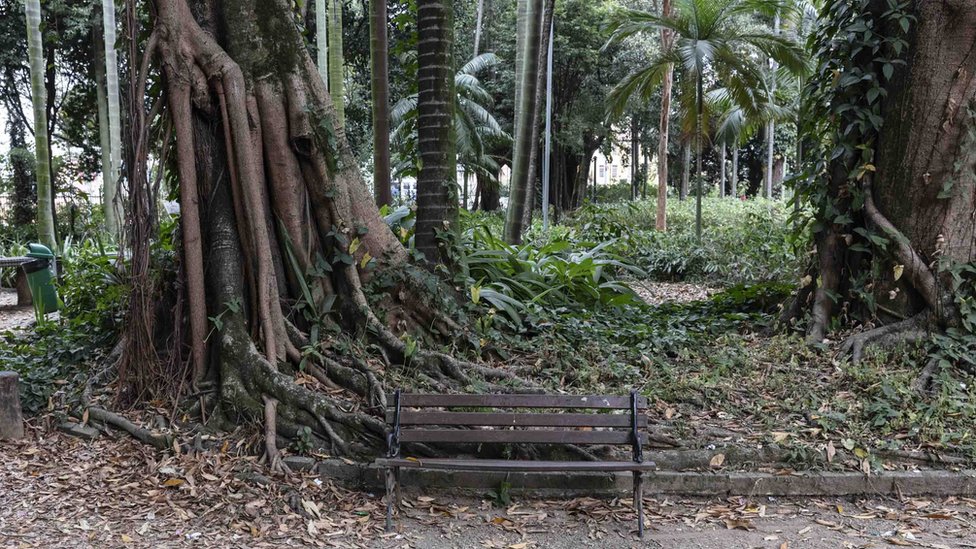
(103, 140)
(771, 126)
(45, 205)
(379, 47)
(735, 172)
(477, 28)
(521, 16)
(661, 219)
(540, 88)
(113, 216)
(521, 157)
(686, 173)
(698, 154)
(437, 203)
(634, 159)
(322, 39)
(336, 85)
(721, 178)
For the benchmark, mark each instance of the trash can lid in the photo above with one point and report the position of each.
(39, 250)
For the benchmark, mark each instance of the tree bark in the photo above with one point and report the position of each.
(257, 135)
(336, 60)
(437, 202)
(686, 172)
(42, 171)
(661, 216)
(527, 113)
(113, 217)
(379, 65)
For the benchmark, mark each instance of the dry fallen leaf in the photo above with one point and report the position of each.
(739, 524)
(173, 482)
(831, 451)
(717, 461)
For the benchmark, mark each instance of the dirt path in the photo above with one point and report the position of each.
(57, 491)
(12, 316)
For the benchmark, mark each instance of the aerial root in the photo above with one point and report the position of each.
(271, 454)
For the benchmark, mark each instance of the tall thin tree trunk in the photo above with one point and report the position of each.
(336, 62)
(661, 218)
(322, 39)
(540, 88)
(521, 157)
(735, 172)
(437, 202)
(698, 153)
(634, 158)
(105, 154)
(771, 126)
(547, 154)
(113, 217)
(686, 172)
(721, 178)
(521, 17)
(477, 28)
(379, 63)
(45, 200)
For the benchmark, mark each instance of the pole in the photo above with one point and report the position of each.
(548, 145)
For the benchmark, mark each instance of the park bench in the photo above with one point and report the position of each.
(515, 419)
(18, 262)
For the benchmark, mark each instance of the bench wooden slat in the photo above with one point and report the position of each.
(510, 465)
(516, 401)
(561, 436)
(516, 419)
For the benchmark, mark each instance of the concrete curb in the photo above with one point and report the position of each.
(820, 484)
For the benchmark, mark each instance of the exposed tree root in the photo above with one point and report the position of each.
(271, 454)
(160, 442)
(911, 330)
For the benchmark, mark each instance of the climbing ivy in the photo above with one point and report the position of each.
(858, 47)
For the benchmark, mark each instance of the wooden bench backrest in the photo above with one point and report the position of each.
(611, 419)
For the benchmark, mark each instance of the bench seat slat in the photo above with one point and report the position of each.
(561, 436)
(516, 419)
(516, 401)
(510, 465)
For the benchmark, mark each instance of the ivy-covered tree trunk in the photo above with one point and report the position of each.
(897, 236)
(281, 236)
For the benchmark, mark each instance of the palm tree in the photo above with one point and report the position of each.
(474, 125)
(527, 77)
(113, 216)
(709, 36)
(379, 47)
(437, 205)
(45, 205)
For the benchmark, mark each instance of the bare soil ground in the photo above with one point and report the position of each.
(12, 316)
(656, 293)
(58, 491)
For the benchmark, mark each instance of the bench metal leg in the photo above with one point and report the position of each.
(392, 490)
(639, 502)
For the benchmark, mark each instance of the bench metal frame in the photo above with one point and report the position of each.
(568, 426)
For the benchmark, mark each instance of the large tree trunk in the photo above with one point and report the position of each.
(336, 60)
(258, 141)
(926, 151)
(920, 198)
(437, 195)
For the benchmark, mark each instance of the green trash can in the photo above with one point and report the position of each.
(40, 278)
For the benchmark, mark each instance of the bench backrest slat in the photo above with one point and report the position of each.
(517, 401)
(516, 419)
(561, 436)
